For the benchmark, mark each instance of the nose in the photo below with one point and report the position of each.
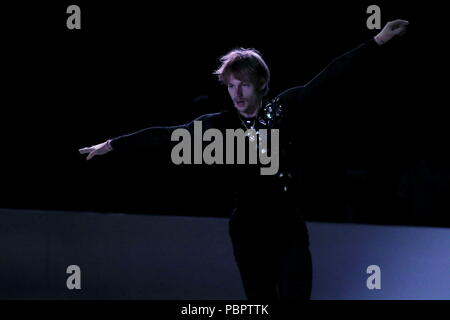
(239, 91)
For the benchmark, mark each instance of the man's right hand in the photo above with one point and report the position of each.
(96, 150)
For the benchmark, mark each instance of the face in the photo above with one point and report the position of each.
(246, 97)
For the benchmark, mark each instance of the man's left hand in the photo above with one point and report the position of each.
(390, 30)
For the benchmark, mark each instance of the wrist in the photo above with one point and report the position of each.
(108, 145)
(379, 40)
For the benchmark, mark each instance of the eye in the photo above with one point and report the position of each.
(230, 85)
(246, 84)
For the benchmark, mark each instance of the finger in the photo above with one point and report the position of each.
(90, 155)
(405, 22)
(85, 150)
(399, 21)
(399, 24)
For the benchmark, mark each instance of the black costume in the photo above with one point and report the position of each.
(269, 236)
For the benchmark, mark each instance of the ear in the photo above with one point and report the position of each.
(263, 86)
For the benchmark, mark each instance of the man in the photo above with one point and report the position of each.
(269, 237)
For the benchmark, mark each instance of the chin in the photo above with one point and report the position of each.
(241, 109)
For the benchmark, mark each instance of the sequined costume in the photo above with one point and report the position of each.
(269, 236)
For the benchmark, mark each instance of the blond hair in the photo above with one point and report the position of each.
(244, 65)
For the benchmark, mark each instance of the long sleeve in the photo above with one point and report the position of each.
(145, 139)
(349, 67)
(154, 138)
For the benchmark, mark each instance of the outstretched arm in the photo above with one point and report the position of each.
(344, 66)
(146, 139)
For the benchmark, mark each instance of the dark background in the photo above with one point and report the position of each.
(134, 65)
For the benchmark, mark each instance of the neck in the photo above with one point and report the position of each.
(251, 113)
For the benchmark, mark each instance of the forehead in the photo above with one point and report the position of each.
(238, 78)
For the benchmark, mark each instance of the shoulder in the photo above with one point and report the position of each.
(211, 116)
(214, 120)
(290, 94)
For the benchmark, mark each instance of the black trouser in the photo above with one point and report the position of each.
(272, 253)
